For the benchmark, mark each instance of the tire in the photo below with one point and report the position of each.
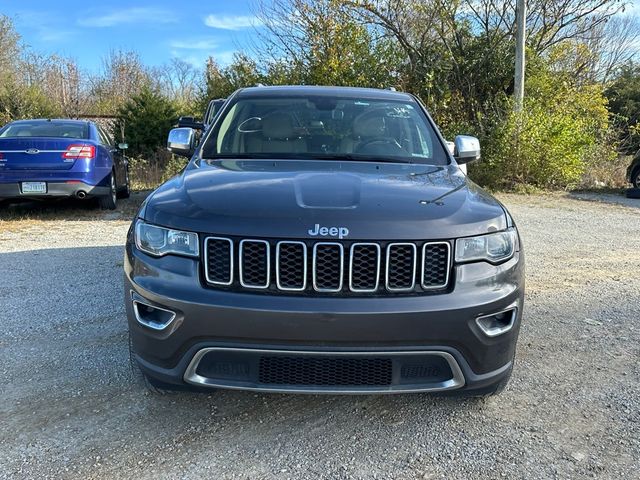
(140, 378)
(108, 202)
(633, 193)
(125, 192)
(635, 178)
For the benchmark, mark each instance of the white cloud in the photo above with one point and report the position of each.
(633, 8)
(198, 59)
(128, 16)
(230, 22)
(200, 44)
(224, 58)
(45, 25)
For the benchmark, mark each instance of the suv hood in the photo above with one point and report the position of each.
(288, 198)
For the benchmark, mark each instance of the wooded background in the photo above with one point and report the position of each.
(582, 90)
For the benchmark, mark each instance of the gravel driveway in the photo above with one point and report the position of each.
(69, 409)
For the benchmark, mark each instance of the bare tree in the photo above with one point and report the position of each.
(321, 41)
(181, 82)
(549, 22)
(123, 75)
(613, 45)
(10, 41)
(63, 82)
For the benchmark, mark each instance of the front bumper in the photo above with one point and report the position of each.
(434, 334)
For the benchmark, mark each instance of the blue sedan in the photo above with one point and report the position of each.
(41, 159)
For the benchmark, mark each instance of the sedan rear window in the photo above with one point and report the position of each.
(46, 129)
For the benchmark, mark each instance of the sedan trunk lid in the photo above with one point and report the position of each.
(37, 153)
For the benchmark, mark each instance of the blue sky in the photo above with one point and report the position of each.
(159, 30)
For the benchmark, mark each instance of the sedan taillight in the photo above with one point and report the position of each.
(80, 151)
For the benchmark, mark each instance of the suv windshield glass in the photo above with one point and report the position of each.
(323, 127)
(45, 129)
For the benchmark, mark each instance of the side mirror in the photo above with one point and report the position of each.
(467, 149)
(190, 122)
(181, 141)
(123, 146)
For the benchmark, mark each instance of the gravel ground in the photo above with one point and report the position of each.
(69, 408)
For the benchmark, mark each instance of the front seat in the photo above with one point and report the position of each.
(278, 136)
(365, 127)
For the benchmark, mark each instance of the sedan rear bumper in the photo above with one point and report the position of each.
(54, 190)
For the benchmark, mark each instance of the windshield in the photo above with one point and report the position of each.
(324, 127)
(45, 129)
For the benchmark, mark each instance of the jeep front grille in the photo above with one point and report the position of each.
(291, 266)
(219, 259)
(254, 264)
(327, 267)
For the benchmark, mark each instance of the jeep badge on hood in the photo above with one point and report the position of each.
(340, 232)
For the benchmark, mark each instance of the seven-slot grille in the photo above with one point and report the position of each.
(327, 267)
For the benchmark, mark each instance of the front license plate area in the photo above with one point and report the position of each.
(34, 187)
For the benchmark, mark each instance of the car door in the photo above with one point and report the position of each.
(115, 154)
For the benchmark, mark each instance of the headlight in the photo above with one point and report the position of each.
(159, 241)
(494, 247)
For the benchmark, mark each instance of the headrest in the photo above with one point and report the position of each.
(278, 126)
(369, 127)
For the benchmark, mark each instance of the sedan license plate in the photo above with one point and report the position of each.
(34, 187)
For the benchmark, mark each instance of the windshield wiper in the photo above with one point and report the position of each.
(357, 158)
(241, 156)
(305, 156)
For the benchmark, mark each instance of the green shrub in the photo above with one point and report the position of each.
(146, 119)
(624, 103)
(561, 130)
(148, 172)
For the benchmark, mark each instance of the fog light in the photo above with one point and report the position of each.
(153, 317)
(497, 323)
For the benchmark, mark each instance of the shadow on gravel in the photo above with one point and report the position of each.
(69, 209)
(617, 198)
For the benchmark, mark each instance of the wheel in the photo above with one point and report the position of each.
(125, 192)
(108, 202)
(633, 192)
(635, 178)
(149, 384)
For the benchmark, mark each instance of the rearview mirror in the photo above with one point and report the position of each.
(467, 149)
(251, 125)
(181, 141)
(123, 146)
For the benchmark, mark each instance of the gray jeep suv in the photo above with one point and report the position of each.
(323, 239)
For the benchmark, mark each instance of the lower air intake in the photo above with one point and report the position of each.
(316, 371)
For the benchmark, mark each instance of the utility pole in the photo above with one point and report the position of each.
(521, 21)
